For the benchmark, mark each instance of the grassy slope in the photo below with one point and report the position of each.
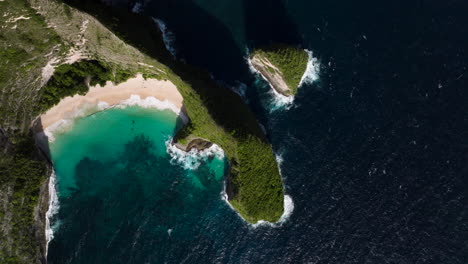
(215, 112)
(25, 47)
(291, 61)
(257, 191)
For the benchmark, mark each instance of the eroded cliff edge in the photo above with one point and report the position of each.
(59, 34)
(282, 66)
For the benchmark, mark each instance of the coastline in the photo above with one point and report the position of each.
(113, 95)
(279, 98)
(274, 79)
(312, 70)
(149, 93)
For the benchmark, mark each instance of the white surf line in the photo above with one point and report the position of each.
(168, 36)
(288, 204)
(51, 211)
(311, 73)
(279, 100)
(193, 159)
(66, 124)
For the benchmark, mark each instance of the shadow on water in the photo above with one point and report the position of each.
(267, 22)
(226, 107)
(42, 145)
(200, 38)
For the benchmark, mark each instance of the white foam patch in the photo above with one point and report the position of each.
(193, 159)
(137, 8)
(66, 124)
(51, 211)
(152, 102)
(168, 36)
(278, 100)
(86, 109)
(288, 204)
(241, 89)
(312, 71)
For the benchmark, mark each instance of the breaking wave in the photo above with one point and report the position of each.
(312, 71)
(288, 204)
(194, 158)
(168, 36)
(51, 211)
(278, 101)
(87, 109)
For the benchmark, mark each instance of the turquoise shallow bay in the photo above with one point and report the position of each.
(119, 191)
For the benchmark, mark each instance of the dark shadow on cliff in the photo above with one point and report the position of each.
(200, 38)
(43, 154)
(267, 22)
(225, 107)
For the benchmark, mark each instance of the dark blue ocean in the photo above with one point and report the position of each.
(374, 152)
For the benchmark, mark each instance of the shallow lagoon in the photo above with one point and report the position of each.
(122, 196)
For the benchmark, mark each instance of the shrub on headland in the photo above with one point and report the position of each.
(291, 61)
(71, 79)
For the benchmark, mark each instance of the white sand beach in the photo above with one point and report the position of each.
(135, 91)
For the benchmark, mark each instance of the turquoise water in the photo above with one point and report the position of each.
(118, 189)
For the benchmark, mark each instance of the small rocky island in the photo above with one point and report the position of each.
(282, 66)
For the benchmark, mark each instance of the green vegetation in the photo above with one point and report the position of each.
(70, 79)
(291, 61)
(25, 47)
(260, 192)
(24, 171)
(216, 114)
(257, 190)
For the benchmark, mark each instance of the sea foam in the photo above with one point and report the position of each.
(312, 71)
(168, 36)
(87, 109)
(193, 159)
(288, 204)
(66, 123)
(280, 101)
(51, 211)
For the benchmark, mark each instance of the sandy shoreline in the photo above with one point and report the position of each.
(127, 93)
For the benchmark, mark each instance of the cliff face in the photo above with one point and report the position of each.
(216, 114)
(271, 73)
(37, 36)
(58, 34)
(282, 66)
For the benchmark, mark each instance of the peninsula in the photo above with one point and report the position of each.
(72, 53)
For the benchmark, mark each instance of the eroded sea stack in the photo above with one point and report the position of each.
(282, 66)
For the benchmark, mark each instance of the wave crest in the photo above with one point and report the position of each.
(312, 71)
(168, 36)
(51, 211)
(194, 158)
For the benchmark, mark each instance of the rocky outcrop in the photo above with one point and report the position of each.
(271, 73)
(197, 143)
